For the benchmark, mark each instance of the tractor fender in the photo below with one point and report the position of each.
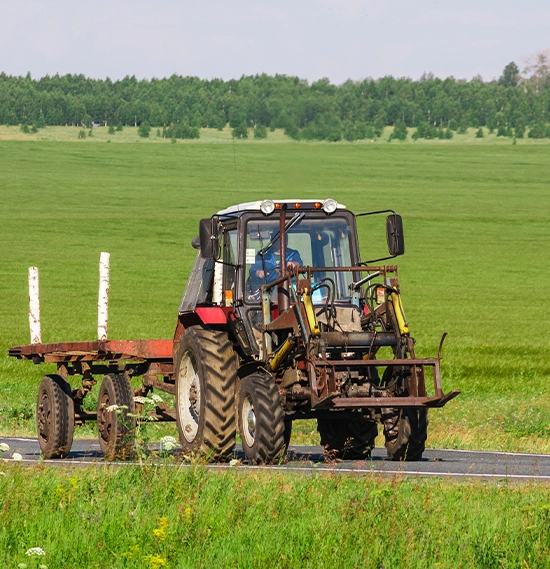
(205, 315)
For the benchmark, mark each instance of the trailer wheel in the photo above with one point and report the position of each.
(351, 439)
(115, 416)
(55, 417)
(261, 419)
(206, 369)
(406, 431)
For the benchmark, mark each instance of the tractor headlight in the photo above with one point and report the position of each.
(329, 206)
(267, 207)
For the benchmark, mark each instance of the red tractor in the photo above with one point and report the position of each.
(281, 320)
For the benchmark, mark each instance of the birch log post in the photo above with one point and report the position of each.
(34, 306)
(103, 301)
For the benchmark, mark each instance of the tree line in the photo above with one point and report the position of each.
(517, 104)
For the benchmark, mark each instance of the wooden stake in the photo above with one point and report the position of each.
(34, 306)
(103, 301)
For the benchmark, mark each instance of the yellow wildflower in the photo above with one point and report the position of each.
(160, 531)
(156, 561)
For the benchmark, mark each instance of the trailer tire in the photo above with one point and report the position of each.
(261, 419)
(206, 370)
(55, 416)
(351, 439)
(116, 426)
(406, 431)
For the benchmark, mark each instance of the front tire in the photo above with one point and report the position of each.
(261, 419)
(347, 439)
(406, 431)
(206, 370)
(55, 417)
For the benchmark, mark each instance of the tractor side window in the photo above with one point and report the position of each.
(229, 268)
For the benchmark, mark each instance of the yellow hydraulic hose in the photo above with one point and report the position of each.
(399, 314)
(310, 312)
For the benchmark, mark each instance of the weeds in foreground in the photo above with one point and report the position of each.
(164, 517)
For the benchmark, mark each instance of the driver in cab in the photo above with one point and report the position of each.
(266, 267)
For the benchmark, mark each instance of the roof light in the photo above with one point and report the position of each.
(267, 207)
(297, 205)
(317, 205)
(329, 206)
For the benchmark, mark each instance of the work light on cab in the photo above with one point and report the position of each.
(267, 207)
(329, 206)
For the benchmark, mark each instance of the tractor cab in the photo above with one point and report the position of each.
(246, 249)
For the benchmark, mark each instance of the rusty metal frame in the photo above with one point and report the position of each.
(108, 350)
(418, 398)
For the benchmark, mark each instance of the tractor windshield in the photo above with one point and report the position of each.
(311, 242)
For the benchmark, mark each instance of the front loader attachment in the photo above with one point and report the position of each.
(328, 367)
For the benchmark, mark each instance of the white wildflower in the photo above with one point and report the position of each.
(4, 447)
(168, 443)
(22, 566)
(2, 473)
(42, 566)
(35, 551)
(234, 462)
(140, 399)
(156, 398)
(16, 456)
(112, 408)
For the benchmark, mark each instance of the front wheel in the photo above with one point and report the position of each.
(55, 417)
(406, 431)
(261, 419)
(347, 439)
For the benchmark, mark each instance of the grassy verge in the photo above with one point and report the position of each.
(475, 225)
(168, 517)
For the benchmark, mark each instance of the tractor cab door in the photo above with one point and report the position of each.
(229, 257)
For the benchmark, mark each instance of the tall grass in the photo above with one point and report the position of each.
(167, 517)
(476, 265)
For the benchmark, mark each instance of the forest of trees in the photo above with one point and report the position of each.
(517, 104)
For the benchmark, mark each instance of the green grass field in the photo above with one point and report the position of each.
(475, 266)
(476, 261)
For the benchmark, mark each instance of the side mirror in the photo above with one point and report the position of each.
(394, 235)
(208, 234)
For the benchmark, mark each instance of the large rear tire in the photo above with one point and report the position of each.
(116, 421)
(206, 370)
(55, 417)
(406, 431)
(347, 439)
(261, 419)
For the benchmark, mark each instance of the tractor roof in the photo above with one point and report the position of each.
(256, 206)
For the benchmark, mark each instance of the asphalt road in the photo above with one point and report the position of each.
(442, 463)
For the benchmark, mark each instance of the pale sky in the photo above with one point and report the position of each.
(307, 38)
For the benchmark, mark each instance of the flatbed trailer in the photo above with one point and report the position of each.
(60, 406)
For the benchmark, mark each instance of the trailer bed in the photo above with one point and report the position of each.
(98, 351)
